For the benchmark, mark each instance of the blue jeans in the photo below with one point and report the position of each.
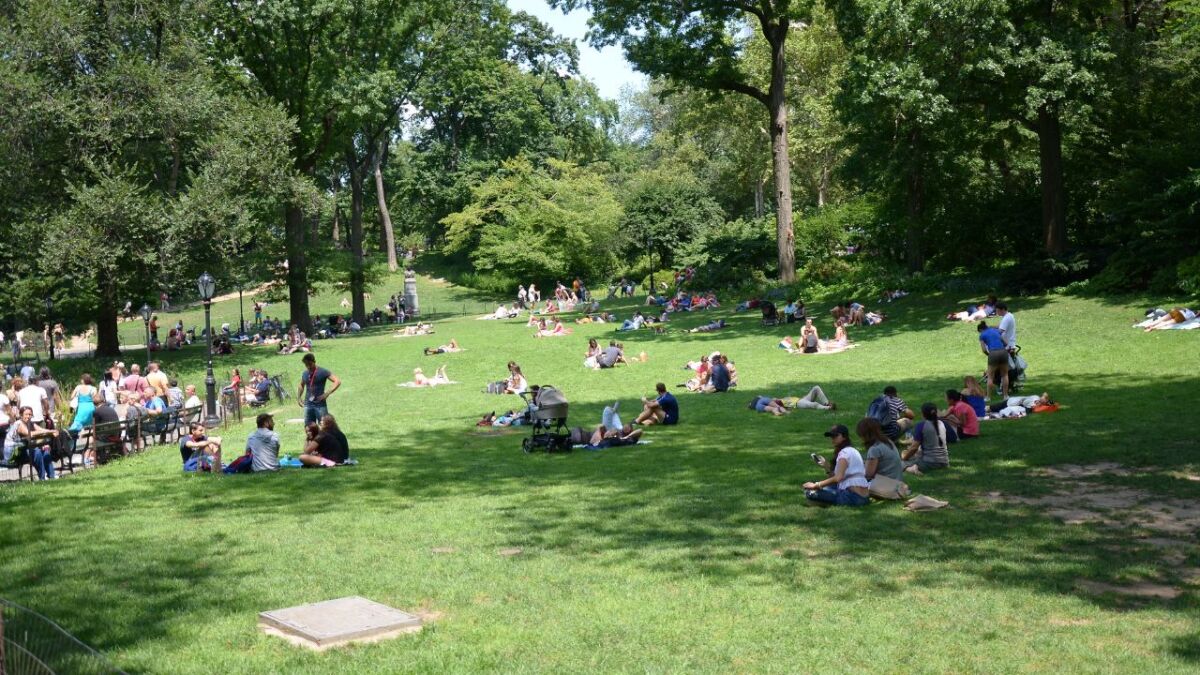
(829, 495)
(313, 412)
(43, 463)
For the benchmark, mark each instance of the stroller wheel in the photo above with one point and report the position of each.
(527, 445)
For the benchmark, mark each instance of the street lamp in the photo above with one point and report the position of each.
(50, 322)
(208, 287)
(145, 312)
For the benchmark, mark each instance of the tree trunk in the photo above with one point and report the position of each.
(385, 217)
(823, 187)
(914, 248)
(297, 268)
(759, 200)
(1054, 189)
(337, 211)
(777, 106)
(357, 275)
(107, 342)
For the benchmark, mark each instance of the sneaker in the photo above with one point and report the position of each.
(832, 405)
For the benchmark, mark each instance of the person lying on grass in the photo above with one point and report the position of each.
(199, 442)
(507, 419)
(847, 485)
(1027, 402)
(662, 409)
(603, 437)
(422, 380)
(1175, 316)
(635, 323)
(766, 404)
(709, 327)
(448, 348)
(815, 399)
(976, 311)
(928, 449)
(416, 329)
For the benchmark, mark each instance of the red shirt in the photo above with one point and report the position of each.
(966, 414)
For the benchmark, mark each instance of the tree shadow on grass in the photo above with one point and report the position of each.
(700, 501)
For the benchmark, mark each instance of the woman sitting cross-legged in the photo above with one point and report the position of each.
(849, 474)
(882, 457)
(552, 331)
(928, 451)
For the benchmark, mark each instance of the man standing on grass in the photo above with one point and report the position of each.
(1008, 325)
(314, 379)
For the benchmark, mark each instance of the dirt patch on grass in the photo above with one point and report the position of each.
(509, 552)
(1140, 589)
(442, 550)
(1083, 470)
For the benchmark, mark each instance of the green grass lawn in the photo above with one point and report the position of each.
(695, 552)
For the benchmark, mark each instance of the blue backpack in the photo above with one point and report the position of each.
(881, 411)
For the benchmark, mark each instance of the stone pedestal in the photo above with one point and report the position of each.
(410, 292)
(322, 625)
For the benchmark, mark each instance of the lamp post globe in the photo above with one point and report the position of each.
(50, 322)
(208, 287)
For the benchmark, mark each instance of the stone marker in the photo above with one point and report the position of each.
(322, 625)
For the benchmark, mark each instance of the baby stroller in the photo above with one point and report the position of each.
(770, 316)
(548, 421)
(1016, 371)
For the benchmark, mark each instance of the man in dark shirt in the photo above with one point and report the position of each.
(663, 409)
(314, 379)
(719, 379)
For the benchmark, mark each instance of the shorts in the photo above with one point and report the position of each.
(997, 357)
(327, 462)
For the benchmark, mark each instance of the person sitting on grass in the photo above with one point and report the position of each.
(928, 449)
(448, 348)
(766, 404)
(847, 485)
(901, 417)
(263, 445)
(883, 459)
(663, 409)
(960, 416)
(721, 378)
(593, 351)
(974, 395)
(207, 450)
(556, 330)
(709, 327)
(320, 448)
(635, 323)
(517, 384)
(421, 380)
(611, 356)
(809, 341)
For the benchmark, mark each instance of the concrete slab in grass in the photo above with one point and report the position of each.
(332, 623)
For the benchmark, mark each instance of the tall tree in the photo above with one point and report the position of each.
(694, 43)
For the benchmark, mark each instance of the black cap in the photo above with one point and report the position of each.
(837, 429)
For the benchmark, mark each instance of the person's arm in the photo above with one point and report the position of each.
(300, 393)
(872, 465)
(336, 383)
(983, 346)
(839, 474)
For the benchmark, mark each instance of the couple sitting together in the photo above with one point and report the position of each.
(714, 373)
(810, 342)
(854, 313)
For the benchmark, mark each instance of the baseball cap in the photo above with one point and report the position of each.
(836, 430)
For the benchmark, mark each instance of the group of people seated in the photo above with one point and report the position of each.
(713, 373)
(660, 409)
(548, 329)
(325, 445)
(1179, 318)
(295, 341)
(809, 340)
(596, 317)
(597, 357)
(683, 301)
(852, 313)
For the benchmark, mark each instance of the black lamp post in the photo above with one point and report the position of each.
(145, 312)
(50, 322)
(241, 314)
(208, 287)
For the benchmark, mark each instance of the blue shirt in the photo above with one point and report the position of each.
(156, 405)
(991, 338)
(670, 406)
(720, 377)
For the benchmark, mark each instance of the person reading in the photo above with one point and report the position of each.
(663, 409)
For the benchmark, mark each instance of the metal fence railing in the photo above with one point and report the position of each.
(31, 644)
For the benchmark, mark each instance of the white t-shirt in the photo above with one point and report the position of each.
(1008, 326)
(32, 395)
(856, 471)
(192, 401)
(4, 403)
(1022, 401)
(1188, 314)
(27, 373)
